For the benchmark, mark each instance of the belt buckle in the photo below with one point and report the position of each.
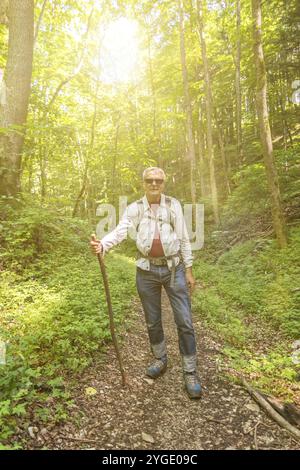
(157, 262)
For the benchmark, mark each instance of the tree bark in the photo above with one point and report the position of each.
(264, 126)
(13, 112)
(155, 125)
(4, 12)
(209, 112)
(238, 84)
(188, 106)
(114, 162)
(201, 153)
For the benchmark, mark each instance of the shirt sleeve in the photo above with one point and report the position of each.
(183, 236)
(127, 222)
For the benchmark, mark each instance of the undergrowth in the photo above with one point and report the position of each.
(250, 298)
(53, 314)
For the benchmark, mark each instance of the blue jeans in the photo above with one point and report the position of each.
(149, 285)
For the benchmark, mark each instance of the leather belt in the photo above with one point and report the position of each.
(163, 261)
(158, 261)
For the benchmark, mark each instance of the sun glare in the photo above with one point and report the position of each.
(120, 51)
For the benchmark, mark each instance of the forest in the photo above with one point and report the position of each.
(91, 94)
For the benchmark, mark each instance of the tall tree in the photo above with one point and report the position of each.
(201, 153)
(13, 112)
(238, 83)
(264, 125)
(209, 112)
(188, 105)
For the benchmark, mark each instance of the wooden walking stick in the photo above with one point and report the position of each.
(111, 316)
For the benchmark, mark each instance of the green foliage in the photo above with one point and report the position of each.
(259, 279)
(250, 202)
(274, 372)
(88, 141)
(251, 180)
(53, 314)
(216, 313)
(32, 231)
(249, 294)
(288, 162)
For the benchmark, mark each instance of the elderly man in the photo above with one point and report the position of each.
(164, 259)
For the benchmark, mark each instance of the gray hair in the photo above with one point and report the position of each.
(154, 168)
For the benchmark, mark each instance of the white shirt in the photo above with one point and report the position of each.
(139, 222)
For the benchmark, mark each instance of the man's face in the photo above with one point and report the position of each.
(153, 183)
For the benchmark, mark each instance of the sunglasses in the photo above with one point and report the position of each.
(152, 181)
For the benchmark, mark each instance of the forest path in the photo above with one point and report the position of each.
(158, 414)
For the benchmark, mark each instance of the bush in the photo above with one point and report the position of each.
(31, 231)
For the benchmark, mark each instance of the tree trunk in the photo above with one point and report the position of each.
(264, 126)
(13, 112)
(43, 161)
(114, 186)
(201, 153)
(209, 112)
(188, 106)
(223, 157)
(83, 188)
(155, 127)
(238, 85)
(151, 79)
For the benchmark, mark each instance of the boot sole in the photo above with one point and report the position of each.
(158, 375)
(192, 395)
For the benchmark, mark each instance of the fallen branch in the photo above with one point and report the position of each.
(219, 421)
(255, 434)
(287, 410)
(270, 410)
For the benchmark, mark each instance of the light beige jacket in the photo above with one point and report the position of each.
(138, 221)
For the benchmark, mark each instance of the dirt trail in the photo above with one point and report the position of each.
(158, 414)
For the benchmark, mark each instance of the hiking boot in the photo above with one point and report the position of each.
(192, 384)
(158, 367)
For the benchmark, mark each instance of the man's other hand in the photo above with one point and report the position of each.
(190, 279)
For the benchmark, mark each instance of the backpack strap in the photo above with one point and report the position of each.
(140, 204)
(168, 201)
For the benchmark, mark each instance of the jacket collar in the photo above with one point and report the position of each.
(146, 203)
